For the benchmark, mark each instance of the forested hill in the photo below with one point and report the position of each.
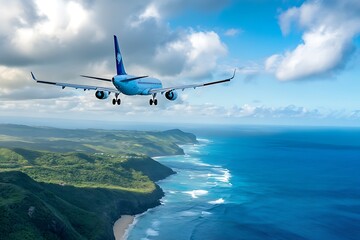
(33, 210)
(73, 184)
(150, 143)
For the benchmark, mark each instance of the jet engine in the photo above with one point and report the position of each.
(102, 94)
(171, 95)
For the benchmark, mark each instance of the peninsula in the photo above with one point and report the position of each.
(74, 184)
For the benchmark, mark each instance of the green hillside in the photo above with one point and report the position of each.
(32, 210)
(86, 170)
(94, 140)
(73, 184)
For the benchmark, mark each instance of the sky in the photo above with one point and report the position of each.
(298, 62)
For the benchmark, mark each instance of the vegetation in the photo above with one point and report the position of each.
(73, 184)
(32, 210)
(94, 141)
(82, 170)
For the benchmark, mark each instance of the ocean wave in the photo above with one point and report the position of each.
(197, 193)
(205, 213)
(151, 232)
(202, 164)
(225, 177)
(188, 214)
(212, 184)
(204, 140)
(190, 149)
(156, 223)
(218, 201)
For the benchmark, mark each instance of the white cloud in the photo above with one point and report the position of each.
(60, 24)
(264, 112)
(232, 32)
(355, 115)
(202, 50)
(77, 107)
(192, 55)
(11, 77)
(61, 39)
(151, 12)
(329, 29)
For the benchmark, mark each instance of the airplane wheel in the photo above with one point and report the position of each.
(118, 101)
(114, 101)
(155, 101)
(151, 102)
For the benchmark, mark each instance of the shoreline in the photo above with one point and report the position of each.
(122, 225)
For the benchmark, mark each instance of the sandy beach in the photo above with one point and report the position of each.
(121, 225)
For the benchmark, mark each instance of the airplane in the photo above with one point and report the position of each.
(129, 84)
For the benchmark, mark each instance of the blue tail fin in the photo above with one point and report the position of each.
(120, 70)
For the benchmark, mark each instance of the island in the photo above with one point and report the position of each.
(74, 184)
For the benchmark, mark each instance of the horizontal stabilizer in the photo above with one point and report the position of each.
(134, 78)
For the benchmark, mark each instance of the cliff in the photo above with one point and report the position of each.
(73, 184)
(32, 210)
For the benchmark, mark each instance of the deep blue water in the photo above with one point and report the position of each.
(260, 183)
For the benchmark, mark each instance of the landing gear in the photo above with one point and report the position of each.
(116, 100)
(153, 100)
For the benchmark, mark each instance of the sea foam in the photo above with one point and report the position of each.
(197, 193)
(225, 177)
(219, 201)
(151, 232)
(188, 214)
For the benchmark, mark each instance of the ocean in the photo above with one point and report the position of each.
(260, 183)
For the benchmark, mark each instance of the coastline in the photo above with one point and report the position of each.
(152, 229)
(122, 225)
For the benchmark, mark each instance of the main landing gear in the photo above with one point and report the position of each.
(116, 100)
(153, 100)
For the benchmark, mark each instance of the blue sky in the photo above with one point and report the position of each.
(298, 61)
(259, 36)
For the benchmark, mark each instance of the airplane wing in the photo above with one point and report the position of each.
(183, 87)
(76, 86)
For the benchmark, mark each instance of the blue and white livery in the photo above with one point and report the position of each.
(129, 84)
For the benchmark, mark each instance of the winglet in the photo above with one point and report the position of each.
(33, 77)
(233, 74)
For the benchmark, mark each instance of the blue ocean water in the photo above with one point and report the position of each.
(260, 183)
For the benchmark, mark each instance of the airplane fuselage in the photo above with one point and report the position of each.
(135, 87)
(130, 85)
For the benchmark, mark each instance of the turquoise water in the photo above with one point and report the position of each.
(260, 183)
